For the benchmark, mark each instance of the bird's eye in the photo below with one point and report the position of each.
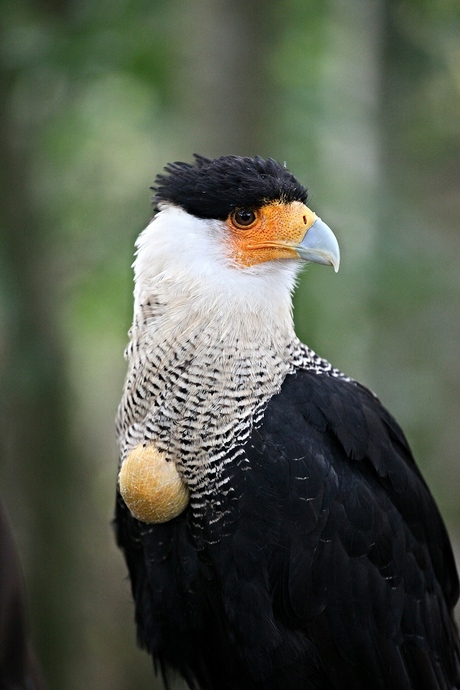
(244, 217)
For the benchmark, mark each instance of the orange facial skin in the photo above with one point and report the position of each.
(277, 228)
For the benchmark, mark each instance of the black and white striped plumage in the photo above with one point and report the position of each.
(311, 554)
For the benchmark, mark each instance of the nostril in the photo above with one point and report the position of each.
(305, 220)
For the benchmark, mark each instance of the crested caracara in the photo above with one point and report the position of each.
(277, 531)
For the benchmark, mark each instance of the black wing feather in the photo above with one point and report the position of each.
(333, 569)
(381, 565)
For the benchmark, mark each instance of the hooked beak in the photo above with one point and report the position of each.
(319, 245)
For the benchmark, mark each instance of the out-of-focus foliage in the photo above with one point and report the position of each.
(362, 100)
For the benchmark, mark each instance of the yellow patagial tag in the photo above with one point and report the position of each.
(151, 486)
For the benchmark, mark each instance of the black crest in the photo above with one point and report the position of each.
(212, 188)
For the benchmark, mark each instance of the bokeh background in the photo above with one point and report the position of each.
(361, 98)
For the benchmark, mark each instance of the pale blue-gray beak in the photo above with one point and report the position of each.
(320, 245)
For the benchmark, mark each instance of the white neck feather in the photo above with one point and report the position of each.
(183, 263)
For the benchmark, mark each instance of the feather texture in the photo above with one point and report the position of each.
(311, 555)
(337, 571)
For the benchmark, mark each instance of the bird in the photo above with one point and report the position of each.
(277, 531)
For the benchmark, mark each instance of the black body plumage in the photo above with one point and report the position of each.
(331, 568)
(338, 574)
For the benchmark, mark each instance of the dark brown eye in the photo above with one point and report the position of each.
(244, 217)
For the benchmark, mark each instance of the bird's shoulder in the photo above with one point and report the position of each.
(330, 437)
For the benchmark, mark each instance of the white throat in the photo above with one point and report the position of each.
(182, 262)
(187, 290)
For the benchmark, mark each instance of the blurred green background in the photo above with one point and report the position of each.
(361, 98)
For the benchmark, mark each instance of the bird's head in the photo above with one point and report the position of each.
(232, 216)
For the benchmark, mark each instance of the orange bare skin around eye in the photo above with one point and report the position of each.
(273, 235)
